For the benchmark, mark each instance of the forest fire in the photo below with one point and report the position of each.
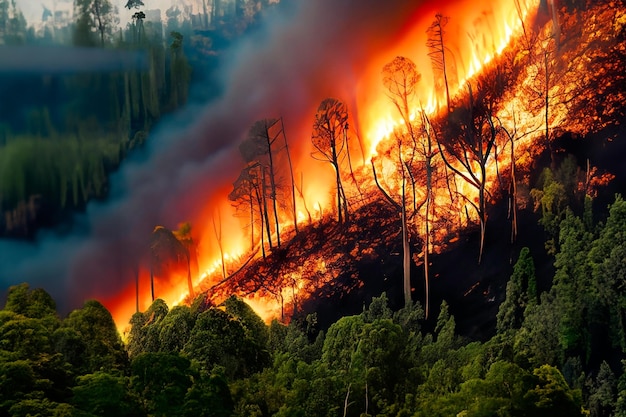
(469, 81)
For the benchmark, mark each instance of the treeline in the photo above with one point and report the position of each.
(62, 134)
(556, 351)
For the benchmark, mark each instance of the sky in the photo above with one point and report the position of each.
(33, 9)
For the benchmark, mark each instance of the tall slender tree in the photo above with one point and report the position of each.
(438, 52)
(94, 17)
(330, 145)
(259, 146)
(471, 132)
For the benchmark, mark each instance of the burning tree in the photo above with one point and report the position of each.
(471, 133)
(260, 182)
(400, 77)
(248, 191)
(437, 51)
(331, 143)
(258, 148)
(168, 256)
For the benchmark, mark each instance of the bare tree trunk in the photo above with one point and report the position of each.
(293, 184)
(406, 250)
(251, 222)
(356, 183)
(345, 402)
(151, 282)
(338, 184)
(482, 213)
(260, 203)
(273, 185)
(300, 193)
(218, 237)
(136, 289)
(263, 197)
(547, 108)
(513, 193)
(189, 283)
(426, 263)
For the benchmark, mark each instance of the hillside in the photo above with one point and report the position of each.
(345, 265)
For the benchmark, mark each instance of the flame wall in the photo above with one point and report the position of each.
(316, 49)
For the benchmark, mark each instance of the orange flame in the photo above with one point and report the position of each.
(475, 34)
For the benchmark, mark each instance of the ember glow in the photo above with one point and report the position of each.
(326, 48)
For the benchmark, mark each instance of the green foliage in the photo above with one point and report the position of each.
(255, 328)
(538, 342)
(608, 266)
(551, 396)
(161, 380)
(209, 397)
(219, 339)
(145, 329)
(36, 304)
(573, 288)
(521, 292)
(555, 192)
(103, 394)
(103, 347)
(175, 329)
(602, 392)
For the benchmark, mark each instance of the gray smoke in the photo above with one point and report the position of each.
(309, 52)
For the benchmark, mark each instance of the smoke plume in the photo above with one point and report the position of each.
(308, 51)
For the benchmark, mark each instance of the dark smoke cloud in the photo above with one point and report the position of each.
(312, 51)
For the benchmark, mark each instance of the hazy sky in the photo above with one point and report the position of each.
(33, 9)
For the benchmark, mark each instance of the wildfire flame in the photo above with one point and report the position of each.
(475, 34)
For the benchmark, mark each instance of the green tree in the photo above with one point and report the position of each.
(219, 339)
(521, 292)
(103, 345)
(175, 329)
(145, 329)
(551, 396)
(94, 19)
(573, 286)
(538, 341)
(36, 303)
(255, 327)
(209, 397)
(602, 392)
(13, 28)
(608, 263)
(180, 71)
(161, 380)
(103, 394)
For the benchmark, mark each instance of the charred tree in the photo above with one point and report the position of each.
(415, 153)
(437, 51)
(400, 78)
(258, 147)
(293, 183)
(471, 132)
(248, 192)
(217, 229)
(330, 145)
